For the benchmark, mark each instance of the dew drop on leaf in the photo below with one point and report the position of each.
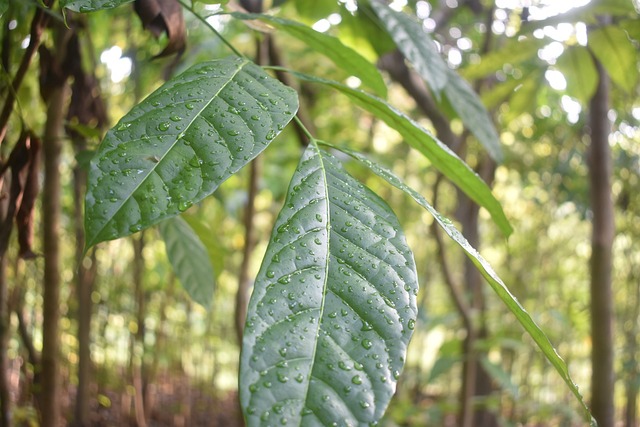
(164, 126)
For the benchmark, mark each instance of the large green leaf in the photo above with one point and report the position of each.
(513, 52)
(487, 272)
(415, 44)
(582, 77)
(617, 54)
(333, 307)
(344, 57)
(92, 5)
(445, 160)
(189, 259)
(178, 145)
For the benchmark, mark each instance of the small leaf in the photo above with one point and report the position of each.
(92, 5)
(344, 57)
(178, 145)
(445, 160)
(416, 45)
(189, 259)
(487, 272)
(333, 306)
(617, 54)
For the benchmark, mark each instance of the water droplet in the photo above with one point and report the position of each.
(367, 344)
(283, 351)
(411, 324)
(299, 378)
(233, 132)
(364, 405)
(270, 135)
(175, 118)
(189, 106)
(283, 378)
(164, 126)
(356, 380)
(271, 274)
(284, 280)
(184, 205)
(123, 126)
(344, 366)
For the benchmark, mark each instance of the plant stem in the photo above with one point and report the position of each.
(304, 129)
(205, 22)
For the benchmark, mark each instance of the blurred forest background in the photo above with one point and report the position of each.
(135, 350)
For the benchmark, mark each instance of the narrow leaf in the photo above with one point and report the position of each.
(178, 145)
(468, 105)
(344, 57)
(487, 272)
(333, 306)
(617, 54)
(189, 259)
(416, 45)
(92, 5)
(445, 160)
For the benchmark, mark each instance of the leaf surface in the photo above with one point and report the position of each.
(487, 272)
(577, 63)
(178, 145)
(189, 259)
(92, 5)
(333, 306)
(617, 54)
(445, 160)
(342, 56)
(416, 45)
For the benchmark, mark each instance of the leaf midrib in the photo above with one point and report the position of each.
(169, 149)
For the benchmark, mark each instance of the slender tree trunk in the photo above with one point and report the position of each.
(631, 362)
(137, 356)
(50, 398)
(85, 274)
(5, 396)
(600, 166)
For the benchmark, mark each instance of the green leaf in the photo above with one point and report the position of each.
(92, 5)
(333, 307)
(513, 52)
(617, 54)
(577, 64)
(178, 145)
(487, 272)
(344, 57)
(189, 259)
(416, 45)
(420, 50)
(445, 160)
(467, 104)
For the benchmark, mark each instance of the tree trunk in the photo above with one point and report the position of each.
(137, 355)
(5, 397)
(50, 406)
(600, 166)
(85, 274)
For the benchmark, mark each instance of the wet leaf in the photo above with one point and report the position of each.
(178, 145)
(445, 160)
(487, 272)
(333, 307)
(92, 5)
(189, 259)
(416, 45)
